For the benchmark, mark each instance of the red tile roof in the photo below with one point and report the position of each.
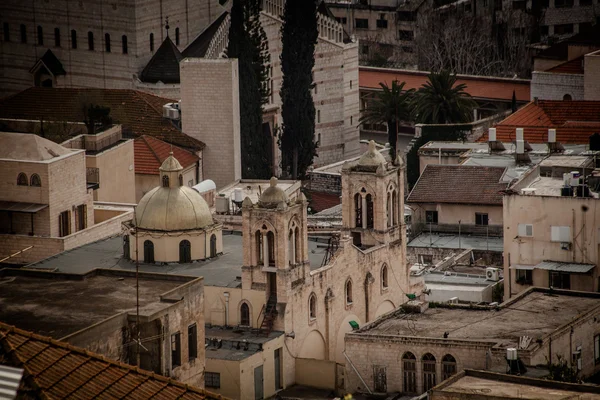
(477, 86)
(574, 121)
(321, 201)
(575, 66)
(140, 113)
(57, 370)
(149, 154)
(459, 184)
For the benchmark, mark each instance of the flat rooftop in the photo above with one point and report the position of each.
(235, 344)
(451, 241)
(504, 386)
(224, 270)
(535, 313)
(43, 303)
(456, 278)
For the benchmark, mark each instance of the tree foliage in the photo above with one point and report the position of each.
(95, 116)
(391, 106)
(563, 371)
(441, 101)
(299, 36)
(248, 43)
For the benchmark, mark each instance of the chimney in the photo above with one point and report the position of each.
(493, 143)
(519, 134)
(553, 145)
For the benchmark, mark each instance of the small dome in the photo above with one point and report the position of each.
(372, 158)
(272, 196)
(170, 164)
(172, 209)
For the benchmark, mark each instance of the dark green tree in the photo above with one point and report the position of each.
(513, 103)
(299, 36)
(248, 43)
(391, 106)
(441, 101)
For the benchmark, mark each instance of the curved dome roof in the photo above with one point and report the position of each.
(372, 158)
(170, 164)
(172, 209)
(273, 195)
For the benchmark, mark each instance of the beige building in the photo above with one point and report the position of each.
(101, 45)
(97, 311)
(414, 348)
(47, 204)
(551, 234)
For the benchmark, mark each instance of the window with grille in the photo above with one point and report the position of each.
(481, 219)
(409, 373)
(192, 342)
(212, 380)
(560, 280)
(175, 350)
(448, 366)
(361, 23)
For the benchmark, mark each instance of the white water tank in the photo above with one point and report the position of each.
(238, 195)
(222, 204)
(511, 354)
(575, 178)
(205, 186)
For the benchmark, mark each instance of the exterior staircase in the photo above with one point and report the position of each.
(270, 314)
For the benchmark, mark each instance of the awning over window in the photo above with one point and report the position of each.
(521, 266)
(565, 267)
(15, 206)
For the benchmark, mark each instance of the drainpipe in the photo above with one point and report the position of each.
(226, 294)
(357, 373)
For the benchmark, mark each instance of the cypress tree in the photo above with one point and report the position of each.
(299, 36)
(247, 43)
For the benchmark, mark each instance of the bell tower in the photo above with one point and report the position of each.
(373, 199)
(275, 243)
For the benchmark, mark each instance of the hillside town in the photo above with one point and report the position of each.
(300, 199)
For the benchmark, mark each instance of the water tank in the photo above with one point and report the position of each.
(222, 204)
(575, 175)
(492, 135)
(595, 141)
(511, 354)
(238, 195)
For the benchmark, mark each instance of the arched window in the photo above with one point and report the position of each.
(23, 33)
(428, 371)
(395, 209)
(22, 180)
(107, 42)
(57, 37)
(244, 314)
(40, 35)
(180, 180)
(348, 292)
(35, 180)
(567, 97)
(358, 210)
(369, 211)
(409, 373)
(124, 44)
(271, 246)
(165, 181)
(185, 251)
(259, 247)
(73, 39)
(384, 276)
(177, 36)
(297, 250)
(91, 40)
(388, 210)
(148, 252)
(152, 42)
(312, 307)
(213, 245)
(448, 366)
(291, 248)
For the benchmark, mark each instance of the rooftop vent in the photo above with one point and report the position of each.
(493, 143)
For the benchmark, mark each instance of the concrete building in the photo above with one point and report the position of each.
(89, 375)
(461, 287)
(97, 311)
(468, 384)
(102, 45)
(550, 237)
(47, 202)
(414, 348)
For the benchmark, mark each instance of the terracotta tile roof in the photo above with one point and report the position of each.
(140, 113)
(459, 184)
(149, 154)
(575, 66)
(477, 86)
(57, 370)
(321, 201)
(574, 121)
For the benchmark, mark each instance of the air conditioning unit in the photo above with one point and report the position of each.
(492, 274)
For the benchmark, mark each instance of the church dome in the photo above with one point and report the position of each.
(172, 206)
(273, 195)
(372, 158)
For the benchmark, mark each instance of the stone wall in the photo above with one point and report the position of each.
(592, 75)
(326, 182)
(553, 86)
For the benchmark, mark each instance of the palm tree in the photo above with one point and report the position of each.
(440, 101)
(391, 106)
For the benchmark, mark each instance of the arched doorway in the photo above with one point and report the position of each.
(244, 315)
(148, 251)
(185, 251)
(213, 245)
